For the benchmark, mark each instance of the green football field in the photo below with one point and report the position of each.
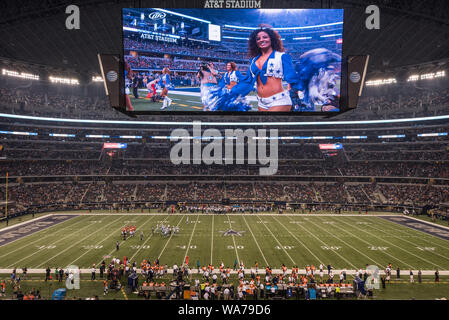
(349, 241)
(180, 102)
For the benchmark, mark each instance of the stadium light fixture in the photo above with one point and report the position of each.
(236, 38)
(330, 35)
(19, 133)
(433, 134)
(182, 15)
(204, 41)
(130, 137)
(391, 136)
(22, 75)
(67, 135)
(432, 75)
(151, 32)
(70, 81)
(380, 82)
(287, 28)
(273, 10)
(232, 124)
(302, 38)
(96, 136)
(426, 76)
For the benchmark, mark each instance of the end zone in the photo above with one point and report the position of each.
(24, 229)
(420, 225)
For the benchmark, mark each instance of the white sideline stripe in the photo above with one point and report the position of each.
(171, 236)
(334, 251)
(37, 251)
(40, 239)
(233, 239)
(347, 244)
(212, 241)
(427, 222)
(277, 241)
(257, 243)
(299, 241)
(237, 214)
(384, 252)
(424, 239)
(191, 236)
(140, 248)
(22, 223)
(391, 243)
(43, 263)
(275, 271)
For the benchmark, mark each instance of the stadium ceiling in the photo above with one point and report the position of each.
(412, 31)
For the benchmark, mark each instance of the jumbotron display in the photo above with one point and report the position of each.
(233, 60)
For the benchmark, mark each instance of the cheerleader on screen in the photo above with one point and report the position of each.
(232, 76)
(164, 83)
(268, 67)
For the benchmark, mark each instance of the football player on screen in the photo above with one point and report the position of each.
(164, 83)
(128, 83)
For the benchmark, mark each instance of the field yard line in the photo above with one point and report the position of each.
(384, 252)
(257, 244)
(110, 253)
(140, 248)
(43, 263)
(298, 240)
(311, 233)
(427, 234)
(369, 258)
(212, 241)
(191, 236)
(233, 239)
(281, 246)
(40, 239)
(112, 234)
(163, 249)
(37, 251)
(400, 247)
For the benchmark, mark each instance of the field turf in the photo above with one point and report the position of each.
(346, 241)
(180, 102)
(343, 241)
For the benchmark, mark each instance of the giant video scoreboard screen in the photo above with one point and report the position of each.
(232, 60)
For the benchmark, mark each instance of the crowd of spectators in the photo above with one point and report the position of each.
(186, 49)
(23, 196)
(157, 64)
(163, 167)
(395, 193)
(240, 191)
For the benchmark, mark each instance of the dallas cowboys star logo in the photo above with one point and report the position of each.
(231, 232)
